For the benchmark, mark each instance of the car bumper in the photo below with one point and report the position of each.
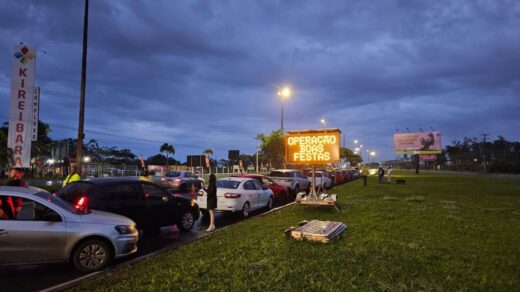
(125, 244)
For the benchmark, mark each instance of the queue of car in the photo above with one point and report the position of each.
(89, 223)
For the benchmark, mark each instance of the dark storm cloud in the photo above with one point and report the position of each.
(204, 74)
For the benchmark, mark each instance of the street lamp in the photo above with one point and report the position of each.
(372, 153)
(324, 122)
(284, 93)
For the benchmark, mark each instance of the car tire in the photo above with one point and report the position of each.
(296, 191)
(186, 221)
(269, 205)
(283, 198)
(91, 255)
(246, 210)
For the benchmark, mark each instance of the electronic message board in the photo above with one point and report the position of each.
(312, 146)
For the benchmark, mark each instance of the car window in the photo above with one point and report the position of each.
(257, 185)
(281, 174)
(172, 174)
(22, 209)
(248, 185)
(123, 191)
(73, 191)
(154, 192)
(267, 181)
(228, 184)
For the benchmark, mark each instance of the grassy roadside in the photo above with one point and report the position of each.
(444, 232)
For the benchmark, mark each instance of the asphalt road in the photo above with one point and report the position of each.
(39, 277)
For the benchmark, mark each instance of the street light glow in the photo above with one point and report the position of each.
(285, 92)
(324, 122)
(373, 153)
(355, 141)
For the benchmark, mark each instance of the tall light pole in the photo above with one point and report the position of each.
(79, 146)
(284, 93)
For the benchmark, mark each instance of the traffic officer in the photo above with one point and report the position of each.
(72, 176)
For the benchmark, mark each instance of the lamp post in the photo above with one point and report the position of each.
(324, 122)
(284, 93)
(372, 153)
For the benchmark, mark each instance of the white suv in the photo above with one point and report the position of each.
(293, 179)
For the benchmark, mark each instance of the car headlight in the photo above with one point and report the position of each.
(126, 229)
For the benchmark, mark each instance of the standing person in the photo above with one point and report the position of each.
(364, 174)
(380, 174)
(212, 201)
(72, 176)
(389, 173)
(16, 178)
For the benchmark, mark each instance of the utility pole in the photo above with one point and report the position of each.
(484, 160)
(79, 146)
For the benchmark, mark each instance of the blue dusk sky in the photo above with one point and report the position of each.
(205, 74)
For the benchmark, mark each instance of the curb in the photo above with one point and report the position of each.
(75, 282)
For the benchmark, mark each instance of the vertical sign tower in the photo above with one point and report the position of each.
(21, 104)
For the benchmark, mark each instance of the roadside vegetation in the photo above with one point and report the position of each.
(436, 232)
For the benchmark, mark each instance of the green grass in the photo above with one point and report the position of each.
(436, 232)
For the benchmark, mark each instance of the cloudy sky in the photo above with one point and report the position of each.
(201, 74)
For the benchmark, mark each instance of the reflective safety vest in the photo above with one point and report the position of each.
(71, 178)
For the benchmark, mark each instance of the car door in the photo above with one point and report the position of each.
(159, 208)
(126, 198)
(35, 233)
(251, 194)
(262, 194)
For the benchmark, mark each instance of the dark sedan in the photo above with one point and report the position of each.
(149, 205)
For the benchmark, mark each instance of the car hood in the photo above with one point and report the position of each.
(100, 217)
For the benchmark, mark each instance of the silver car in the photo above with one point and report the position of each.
(179, 181)
(37, 227)
(293, 179)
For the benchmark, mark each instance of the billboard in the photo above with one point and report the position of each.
(21, 104)
(312, 146)
(195, 160)
(233, 155)
(417, 143)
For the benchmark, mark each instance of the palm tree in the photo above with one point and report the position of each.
(208, 151)
(168, 149)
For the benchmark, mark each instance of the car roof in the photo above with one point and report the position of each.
(252, 175)
(235, 178)
(103, 180)
(285, 170)
(7, 190)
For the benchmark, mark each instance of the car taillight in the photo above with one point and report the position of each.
(231, 195)
(82, 204)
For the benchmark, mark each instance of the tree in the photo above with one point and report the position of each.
(42, 146)
(273, 147)
(159, 159)
(6, 154)
(208, 151)
(168, 149)
(349, 155)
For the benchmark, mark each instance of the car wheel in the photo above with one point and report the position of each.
(92, 255)
(283, 198)
(296, 191)
(246, 210)
(270, 203)
(186, 222)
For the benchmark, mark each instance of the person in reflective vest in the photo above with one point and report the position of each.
(72, 176)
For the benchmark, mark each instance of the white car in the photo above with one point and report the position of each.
(238, 194)
(322, 180)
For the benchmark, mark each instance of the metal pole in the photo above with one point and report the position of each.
(282, 115)
(79, 146)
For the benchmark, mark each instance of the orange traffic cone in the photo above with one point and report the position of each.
(193, 192)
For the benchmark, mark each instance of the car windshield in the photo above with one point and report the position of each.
(228, 184)
(57, 201)
(281, 174)
(172, 174)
